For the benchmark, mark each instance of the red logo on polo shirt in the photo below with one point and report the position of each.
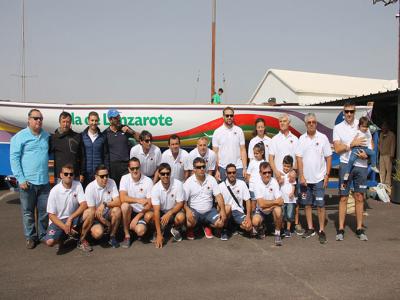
(317, 144)
(75, 195)
(141, 190)
(172, 195)
(109, 192)
(151, 158)
(237, 191)
(270, 189)
(291, 141)
(208, 187)
(235, 132)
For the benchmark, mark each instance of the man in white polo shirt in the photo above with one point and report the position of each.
(229, 144)
(344, 139)
(235, 192)
(135, 193)
(176, 158)
(282, 144)
(314, 161)
(204, 152)
(199, 191)
(167, 198)
(269, 199)
(65, 206)
(148, 154)
(103, 199)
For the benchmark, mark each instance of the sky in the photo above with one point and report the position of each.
(159, 51)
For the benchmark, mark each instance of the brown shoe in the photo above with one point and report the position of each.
(30, 244)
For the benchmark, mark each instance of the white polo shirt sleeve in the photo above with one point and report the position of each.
(80, 193)
(216, 138)
(155, 195)
(242, 140)
(51, 201)
(336, 134)
(212, 160)
(114, 188)
(90, 194)
(158, 156)
(215, 186)
(124, 184)
(326, 147)
(180, 193)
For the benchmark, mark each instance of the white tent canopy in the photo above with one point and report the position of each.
(306, 88)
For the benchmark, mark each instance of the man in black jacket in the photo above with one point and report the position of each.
(66, 145)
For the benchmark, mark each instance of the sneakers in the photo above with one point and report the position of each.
(287, 234)
(260, 233)
(278, 240)
(361, 235)
(30, 244)
(322, 237)
(375, 169)
(208, 232)
(340, 235)
(176, 234)
(298, 229)
(113, 242)
(126, 243)
(309, 233)
(224, 235)
(84, 246)
(190, 234)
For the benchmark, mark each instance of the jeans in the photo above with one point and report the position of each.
(34, 196)
(354, 157)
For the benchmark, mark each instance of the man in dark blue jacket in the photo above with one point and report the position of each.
(93, 146)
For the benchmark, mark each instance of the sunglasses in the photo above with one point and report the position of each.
(229, 116)
(37, 118)
(200, 167)
(311, 122)
(349, 111)
(134, 168)
(103, 176)
(66, 174)
(267, 172)
(147, 141)
(231, 173)
(165, 173)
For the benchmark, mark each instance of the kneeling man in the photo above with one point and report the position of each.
(65, 206)
(199, 191)
(167, 199)
(269, 199)
(103, 200)
(135, 193)
(235, 191)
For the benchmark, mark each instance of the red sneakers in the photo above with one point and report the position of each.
(190, 234)
(208, 232)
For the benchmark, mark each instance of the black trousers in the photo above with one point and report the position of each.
(117, 170)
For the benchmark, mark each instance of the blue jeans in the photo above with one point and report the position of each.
(354, 157)
(34, 196)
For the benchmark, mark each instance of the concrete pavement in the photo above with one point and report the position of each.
(240, 268)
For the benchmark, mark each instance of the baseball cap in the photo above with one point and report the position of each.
(112, 113)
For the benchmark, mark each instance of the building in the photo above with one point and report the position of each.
(305, 88)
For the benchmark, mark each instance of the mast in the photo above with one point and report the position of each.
(213, 29)
(23, 53)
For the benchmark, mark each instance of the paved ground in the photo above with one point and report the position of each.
(209, 269)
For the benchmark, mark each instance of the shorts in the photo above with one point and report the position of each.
(262, 214)
(238, 216)
(209, 217)
(358, 176)
(252, 196)
(313, 194)
(140, 221)
(288, 211)
(56, 233)
(106, 215)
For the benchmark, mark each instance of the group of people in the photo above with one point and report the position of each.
(102, 181)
